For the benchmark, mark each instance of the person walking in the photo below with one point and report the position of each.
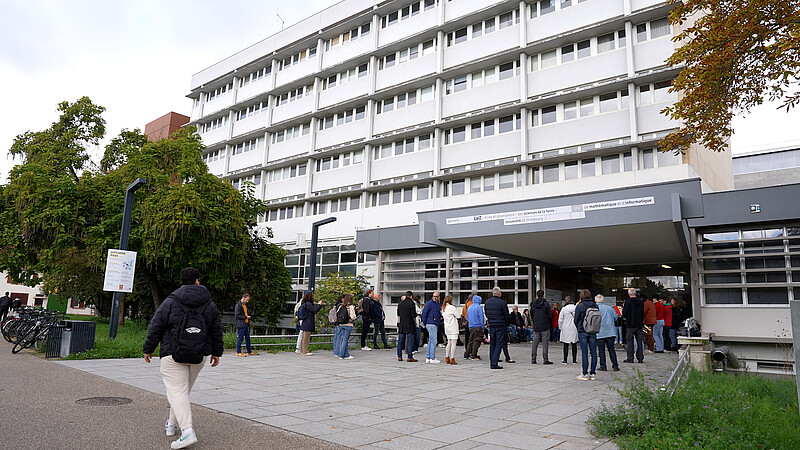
(476, 322)
(588, 341)
(658, 328)
(406, 326)
(307, 313)
(568, 330)
(633, 312)
(344, 327)
(432, 318)
(450, 315)
(497, 317)
(378, 318)
(242, 317)
(554, 333)
(542, 320)
(5, 303)
(366, 318)
(607, 334)
(183, 352)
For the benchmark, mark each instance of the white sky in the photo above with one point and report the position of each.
(136, 59)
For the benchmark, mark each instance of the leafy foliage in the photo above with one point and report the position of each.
(330, 288)
(706, 411)
(735, 53)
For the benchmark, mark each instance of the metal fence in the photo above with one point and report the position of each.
(681, 369)
(290, 340)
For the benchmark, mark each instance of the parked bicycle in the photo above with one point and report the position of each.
(29, 327)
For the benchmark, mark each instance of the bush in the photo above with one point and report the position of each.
(707, 411)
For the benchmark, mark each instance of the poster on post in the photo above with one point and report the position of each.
(120, 267)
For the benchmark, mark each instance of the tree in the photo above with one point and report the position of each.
(334, 285)
(61, 216)
(735, 54)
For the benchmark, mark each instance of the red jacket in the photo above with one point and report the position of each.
(554, 323)
(668, 316)
(659, 311)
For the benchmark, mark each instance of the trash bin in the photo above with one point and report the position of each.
(66, 341)
(53, 348)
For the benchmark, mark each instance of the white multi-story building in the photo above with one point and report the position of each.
(384, 113)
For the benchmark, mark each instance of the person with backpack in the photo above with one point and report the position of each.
(607, 334)
(189, 329)
(378, 318)
(345, 316)
(242, 317)
(365, 311)
(306, 314)
(5, 303)
(588, 320)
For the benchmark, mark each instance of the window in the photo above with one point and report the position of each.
(214, 124)
(652, 30)
(567, 53)
(399, 195)
(213, 156)
(482, 28)
(342, 118)
(483, 129)
(297, 58)
(656, 92)
(348, 36)
(285, 173)
(584, 49)
(647, 159)
(406, 54)
(251, 111)
(403, 146)
(407, 12)
(219, 91)
(345, 77)
(587, 168)
(609, 164)
(252, 144)
(605, 43)
(482, 77)
(454, 135)
(571, 170)
(255, 76)
(550, 173)
(294, 94)
(341, 160)
(570, 110)
(548, 115)
(405, 99)
(290, 133)
(627, 161)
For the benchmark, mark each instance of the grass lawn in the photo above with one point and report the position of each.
(130, 339)
(708, 411)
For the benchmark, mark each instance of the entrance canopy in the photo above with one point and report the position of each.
(639, 225)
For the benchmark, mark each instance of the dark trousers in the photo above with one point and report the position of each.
(649, 338)
(497, 342)
(244, 334)
(574, 351)
(667, 341)
(405, 341)
(364, 331)
(602, 345)
(378, 327)
(639, 335)
(474, 342)
(3, 315)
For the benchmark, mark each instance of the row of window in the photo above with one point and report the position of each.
(214, 124)
(340, 160)
(291, 133)
(586, 107)
(213, 156)
(348, 36)
(578, 50)
(252, 110)
(483, 129)
(543, 7)
(211, 95)
(255, 76)
(400, 195)
(288, 212)
(239, 183)
(481, 78)
(298, 57)
(482, 28)
(608, 164)
(482, 183)
(345, 76)
(341, 118)
(399, 101)
(407, 12)
(247, 146)
(285, 173)
(407, 54)
(335, 205)
(295, 94)
(403, 146)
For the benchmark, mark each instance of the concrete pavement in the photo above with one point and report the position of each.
(374, 401)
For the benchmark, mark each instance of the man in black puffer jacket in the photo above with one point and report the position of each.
(497, 316)
(165, 328)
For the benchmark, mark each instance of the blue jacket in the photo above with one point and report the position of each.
(432, 313)
(580, 313)
(497, 312)
(377, 312)
(475, 315)
(607, 328)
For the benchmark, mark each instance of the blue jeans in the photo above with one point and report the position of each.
(528, 334)
(244, 333)
(658, 335)
(588, 344)
(432, 330)
(555, 334)
(341, 336)
(405, 341)
(513, 330)
(619, 335)
(602, 345)
(417, 339)
(673, 337)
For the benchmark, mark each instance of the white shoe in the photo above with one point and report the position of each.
(297, 350)
(583, 377)
(307, 354)
(349, 357)
(171, 428)
(424, 345)
(434, 361)
(441, 345)
(366, 349)
(427, 360)
(591, 377)
(338, 357)
(187, 438)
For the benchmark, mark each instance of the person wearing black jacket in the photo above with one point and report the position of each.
(633, 312)
(180, 377)
(366, 318)
(497, 316)
(242, 317)
(542, 318)
(406, 326)
(378, 318)
(5, 303)
(517, 324)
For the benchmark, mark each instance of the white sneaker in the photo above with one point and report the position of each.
(307, 354)
(441, 345)
(434, 361)
(427, 360)
(187, 438)
(366, 349)
(338, 357)
(591, 377)
(349, 357)
(297, 350)
(424, 345)
(583, 377)
(171, 428)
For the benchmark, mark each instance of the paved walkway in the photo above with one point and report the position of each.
(374, 401)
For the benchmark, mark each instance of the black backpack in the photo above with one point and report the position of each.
(342, 315)
(192, 335)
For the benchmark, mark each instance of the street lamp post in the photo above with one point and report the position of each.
(123, 245)
(314, 227)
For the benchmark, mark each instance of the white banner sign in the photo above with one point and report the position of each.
(120, 267)
(552, 214)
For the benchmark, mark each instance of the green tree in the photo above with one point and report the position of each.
(334, 285)
(734, 53)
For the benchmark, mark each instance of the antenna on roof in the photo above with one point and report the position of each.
(281, 19)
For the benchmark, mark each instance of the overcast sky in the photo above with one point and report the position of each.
(136, 59)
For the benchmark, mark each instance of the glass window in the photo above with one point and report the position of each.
(587, 168)
(506, 71)
(767, 296)
(548, 59)
(587, 107)
(661, 91)
(477, 29)
(459, 134)
(605, 43)
(475, 129)
(567, 53)
(506, 20)
(422, 192)
(548, 115)
(475, 184)
(647, 159)
(460, 83)
(457, 187)
(608, 102)
(627, 161)
(426, 94)
(610, 164)
(506, 180)
(668, 159)
(723, 296)
(659, 28)
(355, 202)
(383, 198)
(584, 49)
(570, 110)
(488, 128)
(488, 25)
(641, 32)
(506, 124)
(550, 173)
(460, 36)
(546, 6)
(488, 183)
(571, 170)
(424, 141)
